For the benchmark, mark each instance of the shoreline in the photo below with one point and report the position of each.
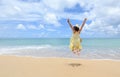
(61, 58)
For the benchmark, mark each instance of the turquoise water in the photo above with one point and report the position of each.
(114, 43)
(102, 48)
(102, 43)
(34, 41)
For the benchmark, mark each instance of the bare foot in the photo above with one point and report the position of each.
(78, 53)
(74, 51)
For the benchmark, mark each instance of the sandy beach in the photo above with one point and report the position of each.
(12, 66)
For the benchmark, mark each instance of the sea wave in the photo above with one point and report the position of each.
(12, 49)
(61, 51)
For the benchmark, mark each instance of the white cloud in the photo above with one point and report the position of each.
(17, 8)
(105, 18)
(41, 26)
(105, 15)
(33, 27)
(21, 27)
(30, 27)
(51, 18)
(59, 5)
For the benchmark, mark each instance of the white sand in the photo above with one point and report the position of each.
(11, 66)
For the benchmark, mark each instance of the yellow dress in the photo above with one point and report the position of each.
(75, 42)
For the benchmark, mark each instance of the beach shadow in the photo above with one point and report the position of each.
(74, 64)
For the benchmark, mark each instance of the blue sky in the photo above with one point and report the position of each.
(47, 18)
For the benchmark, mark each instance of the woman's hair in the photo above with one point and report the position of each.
(76, 28)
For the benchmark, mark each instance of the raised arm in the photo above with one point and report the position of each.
(68, 20)
(83, 24)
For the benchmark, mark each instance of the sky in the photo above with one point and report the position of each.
(48, 18)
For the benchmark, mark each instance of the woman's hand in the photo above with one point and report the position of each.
(68, 20)
(85, 18)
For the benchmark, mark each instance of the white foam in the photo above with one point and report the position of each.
(52, 51)
(14, 49)
(25, 47)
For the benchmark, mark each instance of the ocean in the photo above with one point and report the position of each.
(93, 48)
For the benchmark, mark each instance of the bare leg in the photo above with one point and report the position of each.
(78, 52)
(74, 51)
